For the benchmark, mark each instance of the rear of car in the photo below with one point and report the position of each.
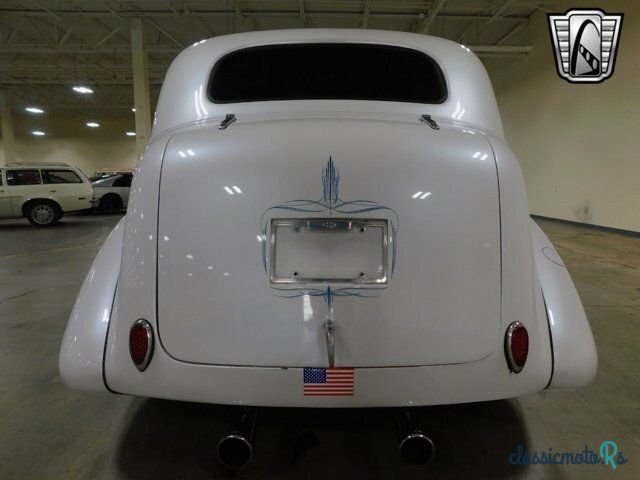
(297, 237)
(278, 245)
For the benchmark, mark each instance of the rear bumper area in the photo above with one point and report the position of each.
(488, 379)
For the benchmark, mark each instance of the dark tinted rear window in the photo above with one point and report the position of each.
(23, 177)
(327, 71)
(60, 176)
(123, 181)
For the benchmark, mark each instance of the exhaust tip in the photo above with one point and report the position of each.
(235, 451)
(416, 448)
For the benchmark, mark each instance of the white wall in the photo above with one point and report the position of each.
(579, 145)
(69, 140)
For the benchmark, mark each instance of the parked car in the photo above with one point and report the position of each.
(42, 193)
(111, 192)
(395, 264)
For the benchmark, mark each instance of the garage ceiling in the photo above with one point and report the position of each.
(46, 47)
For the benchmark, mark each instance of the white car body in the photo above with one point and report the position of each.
(464, 260)
(115, 187)
(58, 184)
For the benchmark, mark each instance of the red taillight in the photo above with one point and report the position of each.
(517, 346)
(141, 343)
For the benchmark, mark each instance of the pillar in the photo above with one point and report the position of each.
(140, 86)
(8, 140)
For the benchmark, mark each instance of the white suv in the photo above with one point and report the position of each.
(42, 192)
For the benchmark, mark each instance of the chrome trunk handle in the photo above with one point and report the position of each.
(329, 327)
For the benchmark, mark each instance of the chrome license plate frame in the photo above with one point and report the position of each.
(349, 227)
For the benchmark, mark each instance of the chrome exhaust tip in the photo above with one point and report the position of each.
(235, 450)
(416, 448)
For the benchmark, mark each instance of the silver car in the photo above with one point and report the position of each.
(111, 193)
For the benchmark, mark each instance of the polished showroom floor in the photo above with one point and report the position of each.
(50, 432)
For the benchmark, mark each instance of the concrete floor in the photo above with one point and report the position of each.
(49, 432)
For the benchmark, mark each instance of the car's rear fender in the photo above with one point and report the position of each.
(575, 359)
(82, 350)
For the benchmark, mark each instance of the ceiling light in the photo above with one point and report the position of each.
(93, 124)
(34, 110)
(38, 133)
(133, 109)
(81, 89)
(131, 134)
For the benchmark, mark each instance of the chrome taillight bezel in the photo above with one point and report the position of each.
(149, 334)
(511, 362)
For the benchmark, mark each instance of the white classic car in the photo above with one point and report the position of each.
(327, 218)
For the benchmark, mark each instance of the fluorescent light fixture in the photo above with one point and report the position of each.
(38, 133)
(182, 154)
(93, 124)
(425, 195)
(191, 153)
(416, 195)
(34, 110)
(477, 154)
(229, 191)
(131, 134)
(237, 189)
(81, 89)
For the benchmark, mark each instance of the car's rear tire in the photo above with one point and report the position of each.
(43, 213)
(111, 203)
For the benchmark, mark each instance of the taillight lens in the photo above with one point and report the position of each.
(141, 343)
(516, 346)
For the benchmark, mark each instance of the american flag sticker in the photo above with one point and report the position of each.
(328, 382)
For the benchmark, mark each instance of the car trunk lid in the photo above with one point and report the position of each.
(435, 190)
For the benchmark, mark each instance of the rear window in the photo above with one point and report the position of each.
(330, 71)
(102, 176)
(123, 181)
(23, 177)
(60, 176)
